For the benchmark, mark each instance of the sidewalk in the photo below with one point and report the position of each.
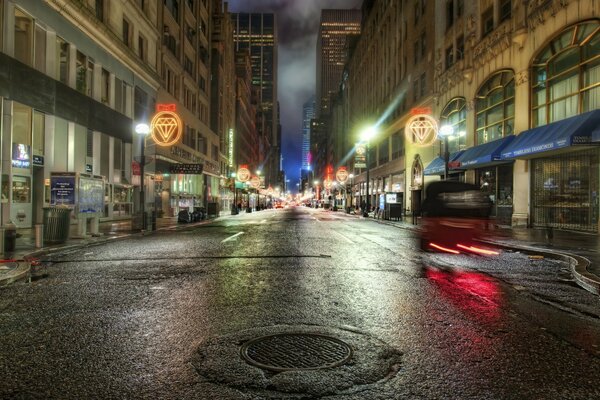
(17, 265)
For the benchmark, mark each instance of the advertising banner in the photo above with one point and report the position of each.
(360, 157)
(62, 190)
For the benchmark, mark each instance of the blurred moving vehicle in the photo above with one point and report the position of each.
(455, 217)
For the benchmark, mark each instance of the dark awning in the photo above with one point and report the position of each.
(437, 167)
(558, 135)
(484, 154)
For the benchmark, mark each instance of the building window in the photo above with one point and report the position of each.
(62, 50)
(495, 107)
(416, 90)
(423, 44)
(40, 49)
(99, 9)
(417, 52)
(173, 7)
(566, 75)
(142, 47)
(105, 86)
(39, 133)
(84, 74)
(449, 57)
(460, 48)
(455, 115)
(423, 85)
(487, 21)
(188, 66)
(120, 96)
(449, 14)
(505, 10)
(398, 144)
(215, 152)
(384, 151)
(126, 33)
(23, 37)
(460, 8)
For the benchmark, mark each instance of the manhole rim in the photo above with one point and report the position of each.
(251, 361)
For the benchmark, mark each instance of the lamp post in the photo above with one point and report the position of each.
(142, 130)
(234, 207)
(351, 176)
(258, 172)
(446, 131)
(316, 183)
(367, 134)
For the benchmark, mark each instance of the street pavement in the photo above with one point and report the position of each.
(16, 266)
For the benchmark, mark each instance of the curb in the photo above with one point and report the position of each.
(578, 264)
(19, 273)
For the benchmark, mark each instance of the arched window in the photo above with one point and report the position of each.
(566, 75)
(455, 115)
(495, 107)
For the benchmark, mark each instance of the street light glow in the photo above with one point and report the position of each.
(446, 130)
(142, 129)
(368, 133)
(351, 176)
(258, 172)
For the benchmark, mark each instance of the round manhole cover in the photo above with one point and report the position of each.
(296, 351)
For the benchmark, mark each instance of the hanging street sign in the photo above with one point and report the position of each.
(341, 175)
(243, 174)
(360, 157)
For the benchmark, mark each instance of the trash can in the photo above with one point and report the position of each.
(10, 237)
(153, 215)
(57, 223)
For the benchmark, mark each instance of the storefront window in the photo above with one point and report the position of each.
(5, 189)
(495, 107)
(455, 115)
(21, 189)
(565, 191)
(566, 75)
(62, 55)
(497, 184)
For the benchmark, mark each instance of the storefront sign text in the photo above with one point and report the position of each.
(187, 169)
(62, 190)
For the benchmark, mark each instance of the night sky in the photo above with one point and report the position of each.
(298, 26)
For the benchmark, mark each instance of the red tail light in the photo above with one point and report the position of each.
(478, 250)
(444, 249)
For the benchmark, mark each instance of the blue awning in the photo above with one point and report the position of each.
(484, 154)
(437, 167)
(568, 132)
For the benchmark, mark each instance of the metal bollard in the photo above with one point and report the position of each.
(39, 236)
(2, 242)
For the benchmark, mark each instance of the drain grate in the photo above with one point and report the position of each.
(296, 351)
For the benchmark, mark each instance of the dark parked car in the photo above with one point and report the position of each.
(198, 214)
(184, 216)
(455, 216)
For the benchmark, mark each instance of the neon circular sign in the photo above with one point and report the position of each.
(243, 174)
(421, 129)
(166, 128)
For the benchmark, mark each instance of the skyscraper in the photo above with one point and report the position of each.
(257, 33)
(308, 113)
(332, 44)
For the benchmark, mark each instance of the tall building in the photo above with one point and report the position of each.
(308, 113)
(257, 33)
(332, 53)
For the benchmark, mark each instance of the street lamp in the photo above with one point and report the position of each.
(445, 132)
(366, 135)
(316, 183)
(142, 130)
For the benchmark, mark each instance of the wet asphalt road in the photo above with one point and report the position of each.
(163, 316)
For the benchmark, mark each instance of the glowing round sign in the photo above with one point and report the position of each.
(166, 128)
(327, 183)
(255, 182)
(243, 174)
(342, 175)
(421, 130)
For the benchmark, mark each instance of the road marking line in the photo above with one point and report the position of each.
(232, 237)
(263, 221)
(345, 237)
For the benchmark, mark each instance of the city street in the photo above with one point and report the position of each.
(171, 315)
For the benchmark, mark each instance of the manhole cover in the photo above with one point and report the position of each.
(296, 351)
